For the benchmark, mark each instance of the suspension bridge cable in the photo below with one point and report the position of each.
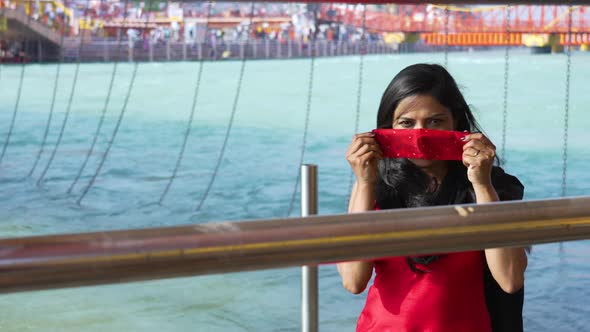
(16, 105)
(191, 116)
(447, 14)
(506, 73)
(52, 106)
(567, 102)
(358, 103)
(232, 116)
(117, 125)
(103, 113)
(306, 125)
(68, 107)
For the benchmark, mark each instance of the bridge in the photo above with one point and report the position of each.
(544, 28)
(529, 25)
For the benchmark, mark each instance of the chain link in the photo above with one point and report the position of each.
(189, 125)
(506, 72)
(102, 115)
(359, 94)
(313, 50)
(447, 13)
(17, 102)
(69, 105)
(52, 105)
(117, 124)
(233, 112)
(567, 101)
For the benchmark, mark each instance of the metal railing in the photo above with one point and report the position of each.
(309, 274)
(126, 50)
(55, 261)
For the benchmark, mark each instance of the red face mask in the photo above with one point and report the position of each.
(421, 143)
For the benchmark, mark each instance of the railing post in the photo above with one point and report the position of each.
(39, 51)
(309, 274)
(151, 46)
(105, 50)
(168, 50)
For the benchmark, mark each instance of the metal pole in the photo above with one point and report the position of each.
(168, 50)
(151, 46)
(39, 54)
(309, 274)
(107, 257)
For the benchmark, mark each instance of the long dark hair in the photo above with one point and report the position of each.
(426, 79)
(402, 184)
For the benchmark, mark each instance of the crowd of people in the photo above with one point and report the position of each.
(12, 51)
(149, 24)
(176, 21)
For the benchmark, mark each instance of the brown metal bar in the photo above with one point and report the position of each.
(56, 261)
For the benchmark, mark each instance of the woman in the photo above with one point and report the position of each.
(468, 291)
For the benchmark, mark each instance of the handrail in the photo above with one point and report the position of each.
(55, 261)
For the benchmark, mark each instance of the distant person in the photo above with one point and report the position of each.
(132, 35)
(466, 291)
(3, 48)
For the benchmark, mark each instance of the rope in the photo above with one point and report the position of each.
(16, 105)
(118, 124)
(232, 116)
(358, 102)
(567, 104)
(506, 72)
(103, 113)
(68, 108)
(447, 13)
(191, 116)
(52, 107)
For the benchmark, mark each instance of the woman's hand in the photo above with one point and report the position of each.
(363, 155)
(478, 157)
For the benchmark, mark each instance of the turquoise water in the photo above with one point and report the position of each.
(257, 177)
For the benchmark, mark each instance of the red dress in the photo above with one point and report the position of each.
(449, 297)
